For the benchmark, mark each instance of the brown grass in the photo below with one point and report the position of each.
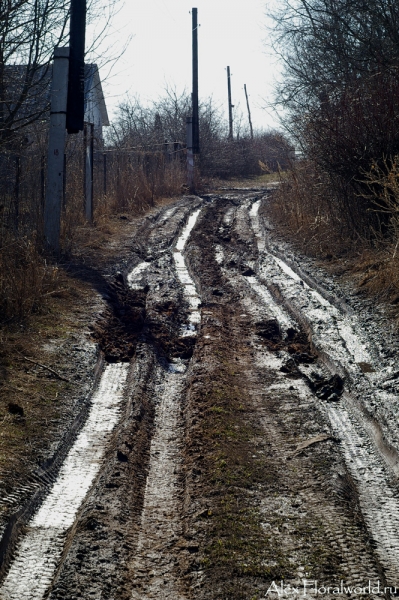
(314, 219)
(26, 279)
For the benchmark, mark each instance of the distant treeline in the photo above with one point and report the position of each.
(163, 124)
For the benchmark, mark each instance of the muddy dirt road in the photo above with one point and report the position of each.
(242, 432)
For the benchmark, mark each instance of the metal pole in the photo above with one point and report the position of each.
(42, 179)
(195, 142)
(64, 182)
(92, 171)
(84, 166)
(249, 112)
(56, 149)
(230, 104)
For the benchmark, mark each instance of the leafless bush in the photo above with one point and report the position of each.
(382, 181)
(339, 91)
(306, 205)
(141, 128)
(25, 279)
(136, 179)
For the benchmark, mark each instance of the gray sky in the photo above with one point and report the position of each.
(231, 32)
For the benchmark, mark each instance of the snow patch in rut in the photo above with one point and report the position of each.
(190, 291)
(335, 334)
(134, 279)
(39, 552)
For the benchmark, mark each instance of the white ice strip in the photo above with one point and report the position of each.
(229, 215)
(219, 255)
(378, 501)
(39, 551)
(334, 332)
(254, 210)
(181, 242)
(253, 213)
(266, 297)
(34, 564)
(284, 267)
(168, 214)
(161, 523)
(262, 292)
(134, 277)
(287, 269)
(190, 291)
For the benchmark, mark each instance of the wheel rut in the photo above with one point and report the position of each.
(243, 433)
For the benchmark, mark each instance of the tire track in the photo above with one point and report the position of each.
(160, 526)
(39, 551)
(335, 336)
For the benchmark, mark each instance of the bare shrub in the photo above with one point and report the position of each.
(306, 206)
(339, 92)
(25, 279)
(140, 129)
(382, 181)
(137, 179)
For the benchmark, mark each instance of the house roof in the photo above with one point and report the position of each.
(37, 101)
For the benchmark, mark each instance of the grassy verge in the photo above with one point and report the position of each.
(306, 211)
(254, 181)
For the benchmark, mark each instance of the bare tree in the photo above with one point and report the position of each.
(29, 31)
(340, 87)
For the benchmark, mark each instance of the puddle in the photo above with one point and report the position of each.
(39, 552)
(189, 289)
(365, 367)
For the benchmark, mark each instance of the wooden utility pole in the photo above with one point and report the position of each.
(76, 83)
(195, 113)
(56, 149)
(230, 104)
(249, 112)
(190, 154)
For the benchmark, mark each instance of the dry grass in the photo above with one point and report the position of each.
(306, 210)
(26, 279)
(255, 181)
(32, 399)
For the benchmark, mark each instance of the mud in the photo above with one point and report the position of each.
(256, 440)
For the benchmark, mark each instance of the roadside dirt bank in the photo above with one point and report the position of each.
(256, 438)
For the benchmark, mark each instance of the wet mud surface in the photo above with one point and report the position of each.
(256, 435)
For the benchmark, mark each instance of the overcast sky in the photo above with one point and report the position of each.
(232, 32)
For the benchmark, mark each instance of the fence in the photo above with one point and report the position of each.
(117, 179)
